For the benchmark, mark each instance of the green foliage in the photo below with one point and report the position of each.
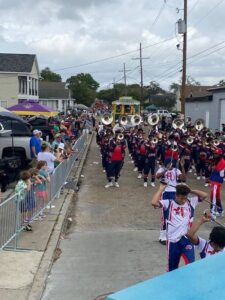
(192, 81)
(83, 88)
(221, 83)
(48, 75)
(174, 87)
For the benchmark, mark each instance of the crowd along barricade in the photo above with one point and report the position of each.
(19, 211)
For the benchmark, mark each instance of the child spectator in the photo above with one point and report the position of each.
(22, 189)
(42, 188)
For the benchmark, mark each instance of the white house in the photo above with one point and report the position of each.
(19, 74)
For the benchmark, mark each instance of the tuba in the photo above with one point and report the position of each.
(107, 119)
(123, 120)
(199, 124)
(136, 120)
(154, 140)
(153, 119)
(190, 140)
(216, 142)
(120, 136)
(178, 123)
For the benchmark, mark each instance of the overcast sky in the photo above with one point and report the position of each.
(67, 33)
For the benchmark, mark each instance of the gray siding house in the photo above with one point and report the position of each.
(210, 108)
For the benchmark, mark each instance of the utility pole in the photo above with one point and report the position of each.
(125, 78)
(183, 86)
(141, 71)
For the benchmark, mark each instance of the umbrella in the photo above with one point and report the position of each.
(30, 108)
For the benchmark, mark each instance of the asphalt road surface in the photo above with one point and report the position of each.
(113, 241)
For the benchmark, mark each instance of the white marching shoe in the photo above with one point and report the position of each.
(145, 184)
(153, 184)
(135, 169)
(139, 176)
(116, 184)
(109, 184)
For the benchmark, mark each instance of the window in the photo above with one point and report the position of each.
(18, 128)
(3, 103)
(22, 85)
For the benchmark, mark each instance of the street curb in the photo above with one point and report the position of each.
(40, 279)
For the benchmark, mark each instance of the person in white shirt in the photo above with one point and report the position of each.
(171, 175)
(179, 216)
(216, 242)
(47, 156)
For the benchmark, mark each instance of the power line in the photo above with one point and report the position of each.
(159, 13)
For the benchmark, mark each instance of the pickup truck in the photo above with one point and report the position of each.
(14, 142)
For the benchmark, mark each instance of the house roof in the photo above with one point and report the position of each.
(217, 88)
(19, 63)
(53, 90)
(197, 90)
(206, 98)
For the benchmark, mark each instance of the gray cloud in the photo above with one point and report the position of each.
(74, 32)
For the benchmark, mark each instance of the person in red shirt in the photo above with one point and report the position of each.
(116, 159)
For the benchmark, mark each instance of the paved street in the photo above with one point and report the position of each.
(113, 241)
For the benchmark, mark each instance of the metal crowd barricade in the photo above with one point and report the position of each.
(17, 212)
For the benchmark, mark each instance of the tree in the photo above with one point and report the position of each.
(154, 88)
(192, 81)
(83, 87)
(221, 83)
(174, 87)
(48, 75)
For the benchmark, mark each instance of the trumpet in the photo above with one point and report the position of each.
(178, 123)
(136, 120)
(153, 119)
(190, 140)
(199, 124)
(107, 119)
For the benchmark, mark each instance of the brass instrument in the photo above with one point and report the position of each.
(154, 140)
(120, 136)
(178, 123)
(123, 120)
(199, 124)
(153, 119)
(136, 120)
(174, 147)
(107, 119)
(190, 140)
(216, 142)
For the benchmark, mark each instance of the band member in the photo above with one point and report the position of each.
(201, 161)
(150, 162)
(216, 242)
(141, 155)
(216, 179)
(179, 218)
(117, 148)
(170, 175)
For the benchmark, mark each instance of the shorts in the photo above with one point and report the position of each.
(42, 193)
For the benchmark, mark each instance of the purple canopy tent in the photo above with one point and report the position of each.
(32, 108)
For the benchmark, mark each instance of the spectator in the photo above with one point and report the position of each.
(47, 156)
(57, 140)
(35, 145)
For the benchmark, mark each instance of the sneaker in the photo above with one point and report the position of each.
(203, 177)
(103, 171)
(27, 228)
(117, 184)
(221, 214)
(109, 184)
(153, 184)
(198, 178)
(135, 169)
(206, 184)
(145, 184)
(139, 176)
(190, 171)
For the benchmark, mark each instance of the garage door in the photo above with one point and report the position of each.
(222, 113)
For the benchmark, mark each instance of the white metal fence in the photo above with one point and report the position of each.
(20, 210)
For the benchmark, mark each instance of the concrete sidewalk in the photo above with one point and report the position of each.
(23, 273)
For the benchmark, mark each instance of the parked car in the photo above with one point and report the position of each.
(42, 123)
(14, 142)
(164, 112)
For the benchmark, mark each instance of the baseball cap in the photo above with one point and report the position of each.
(35, 131)
(58, 135)
(61, 146)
